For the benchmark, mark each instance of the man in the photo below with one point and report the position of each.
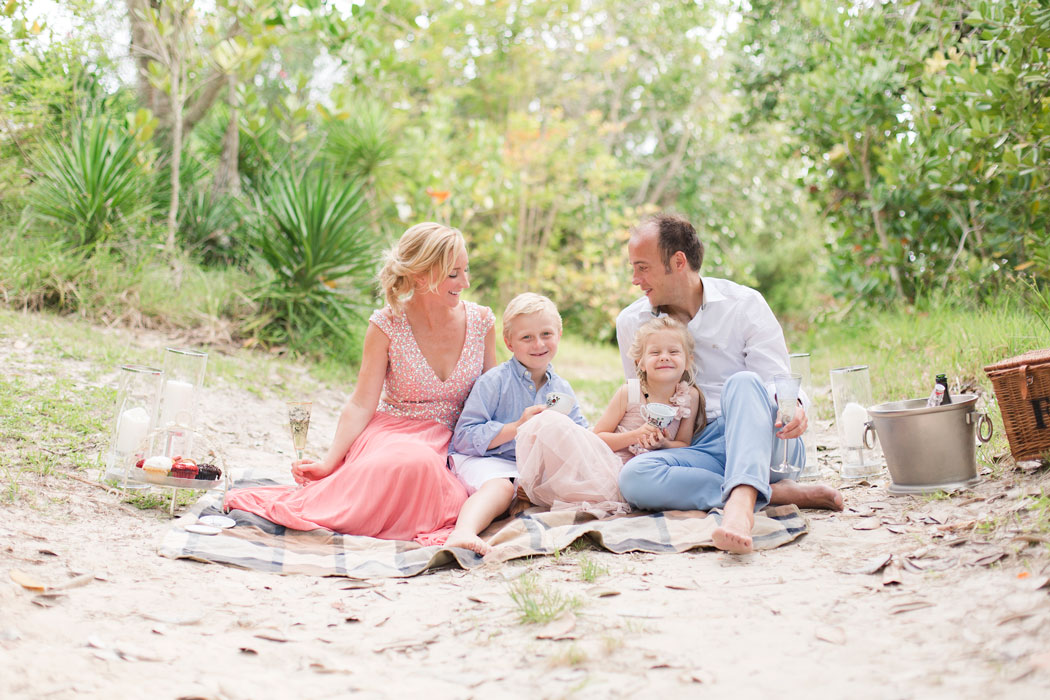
(739, 347)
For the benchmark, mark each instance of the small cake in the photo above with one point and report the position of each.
(157, 466)
(184, 468)
(208, 472)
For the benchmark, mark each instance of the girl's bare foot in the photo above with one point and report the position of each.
(468, 540)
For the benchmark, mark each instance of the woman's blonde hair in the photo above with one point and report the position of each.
(426, 248)
(641, 338)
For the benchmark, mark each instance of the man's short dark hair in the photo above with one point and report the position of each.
(675, 234)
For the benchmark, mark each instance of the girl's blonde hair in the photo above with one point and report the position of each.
(426, 248)
(641, 339)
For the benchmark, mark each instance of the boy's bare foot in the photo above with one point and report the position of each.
(738, 519)
(805, 495)
(468, 540)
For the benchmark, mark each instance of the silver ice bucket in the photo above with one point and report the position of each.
(929, 448)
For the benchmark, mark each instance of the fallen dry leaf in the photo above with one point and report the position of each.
(867, 524)
(1017, 616)
(909, 606)
(988, 559)
(870, 566)
(404, 645)
(892, 575)
(602, 592)
(897, 528)
(704, 677)
(832, 635)
(26, 581)
(954, 527)
(560, 627)
(1039, 582)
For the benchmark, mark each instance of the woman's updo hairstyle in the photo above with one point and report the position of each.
(425, 250)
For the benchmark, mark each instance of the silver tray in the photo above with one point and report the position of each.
(173, 482)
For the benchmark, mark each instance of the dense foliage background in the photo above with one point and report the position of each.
(170, 162)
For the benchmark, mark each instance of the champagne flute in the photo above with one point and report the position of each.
(299, 424)
(787, 386)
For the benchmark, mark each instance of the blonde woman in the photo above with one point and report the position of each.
(385, 474)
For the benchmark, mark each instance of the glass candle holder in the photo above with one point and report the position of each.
(799, 362)
(183, 378)
(851, 394)
(138, 391)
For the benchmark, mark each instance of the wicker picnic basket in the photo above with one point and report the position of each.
(1022, 386)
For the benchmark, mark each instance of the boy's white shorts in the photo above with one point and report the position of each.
(475, 471)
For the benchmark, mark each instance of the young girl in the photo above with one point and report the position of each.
(564, 466)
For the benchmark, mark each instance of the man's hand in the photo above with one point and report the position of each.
(795, 428)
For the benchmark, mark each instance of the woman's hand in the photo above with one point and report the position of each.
(306, 470)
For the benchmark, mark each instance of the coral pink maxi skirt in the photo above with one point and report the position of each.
(394, 484)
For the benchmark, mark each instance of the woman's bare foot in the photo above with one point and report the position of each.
(468, 540)
(738, 519)
(805, 495)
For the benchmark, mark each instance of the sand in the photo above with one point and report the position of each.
(958, 612)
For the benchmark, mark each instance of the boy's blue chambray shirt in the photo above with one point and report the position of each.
(499, 397)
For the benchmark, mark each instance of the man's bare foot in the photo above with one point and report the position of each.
(738, 519)
(805, 495)
(468, 540)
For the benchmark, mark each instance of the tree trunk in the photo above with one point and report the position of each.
(876, 214)
(228, 177)
(176, 154)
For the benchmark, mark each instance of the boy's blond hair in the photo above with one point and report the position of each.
(528, 303)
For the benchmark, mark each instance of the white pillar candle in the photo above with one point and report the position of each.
(854, 416)
(132, 429)
(176, 402)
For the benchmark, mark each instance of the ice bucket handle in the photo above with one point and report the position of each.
(982, 421)
(869, 428)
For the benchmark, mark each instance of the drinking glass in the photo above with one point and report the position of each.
(851, 393)
(136, 410)
(183, 377)
(299, 424)
(799, 362)
(787, 386)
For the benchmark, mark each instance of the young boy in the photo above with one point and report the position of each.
(501, 401)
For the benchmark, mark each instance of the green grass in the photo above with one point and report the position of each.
(537, 603)
(590, 570)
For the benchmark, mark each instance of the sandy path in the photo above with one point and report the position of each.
(788, 622)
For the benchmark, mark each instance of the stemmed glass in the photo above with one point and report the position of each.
(787, 386)
(299, 424)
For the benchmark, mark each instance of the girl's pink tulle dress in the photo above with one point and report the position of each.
(394, 483)
(564, 466)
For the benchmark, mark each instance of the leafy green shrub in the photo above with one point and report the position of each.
(313, 242)
(92, 186)
(211, 227)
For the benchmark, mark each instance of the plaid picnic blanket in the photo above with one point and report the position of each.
(257, 543)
